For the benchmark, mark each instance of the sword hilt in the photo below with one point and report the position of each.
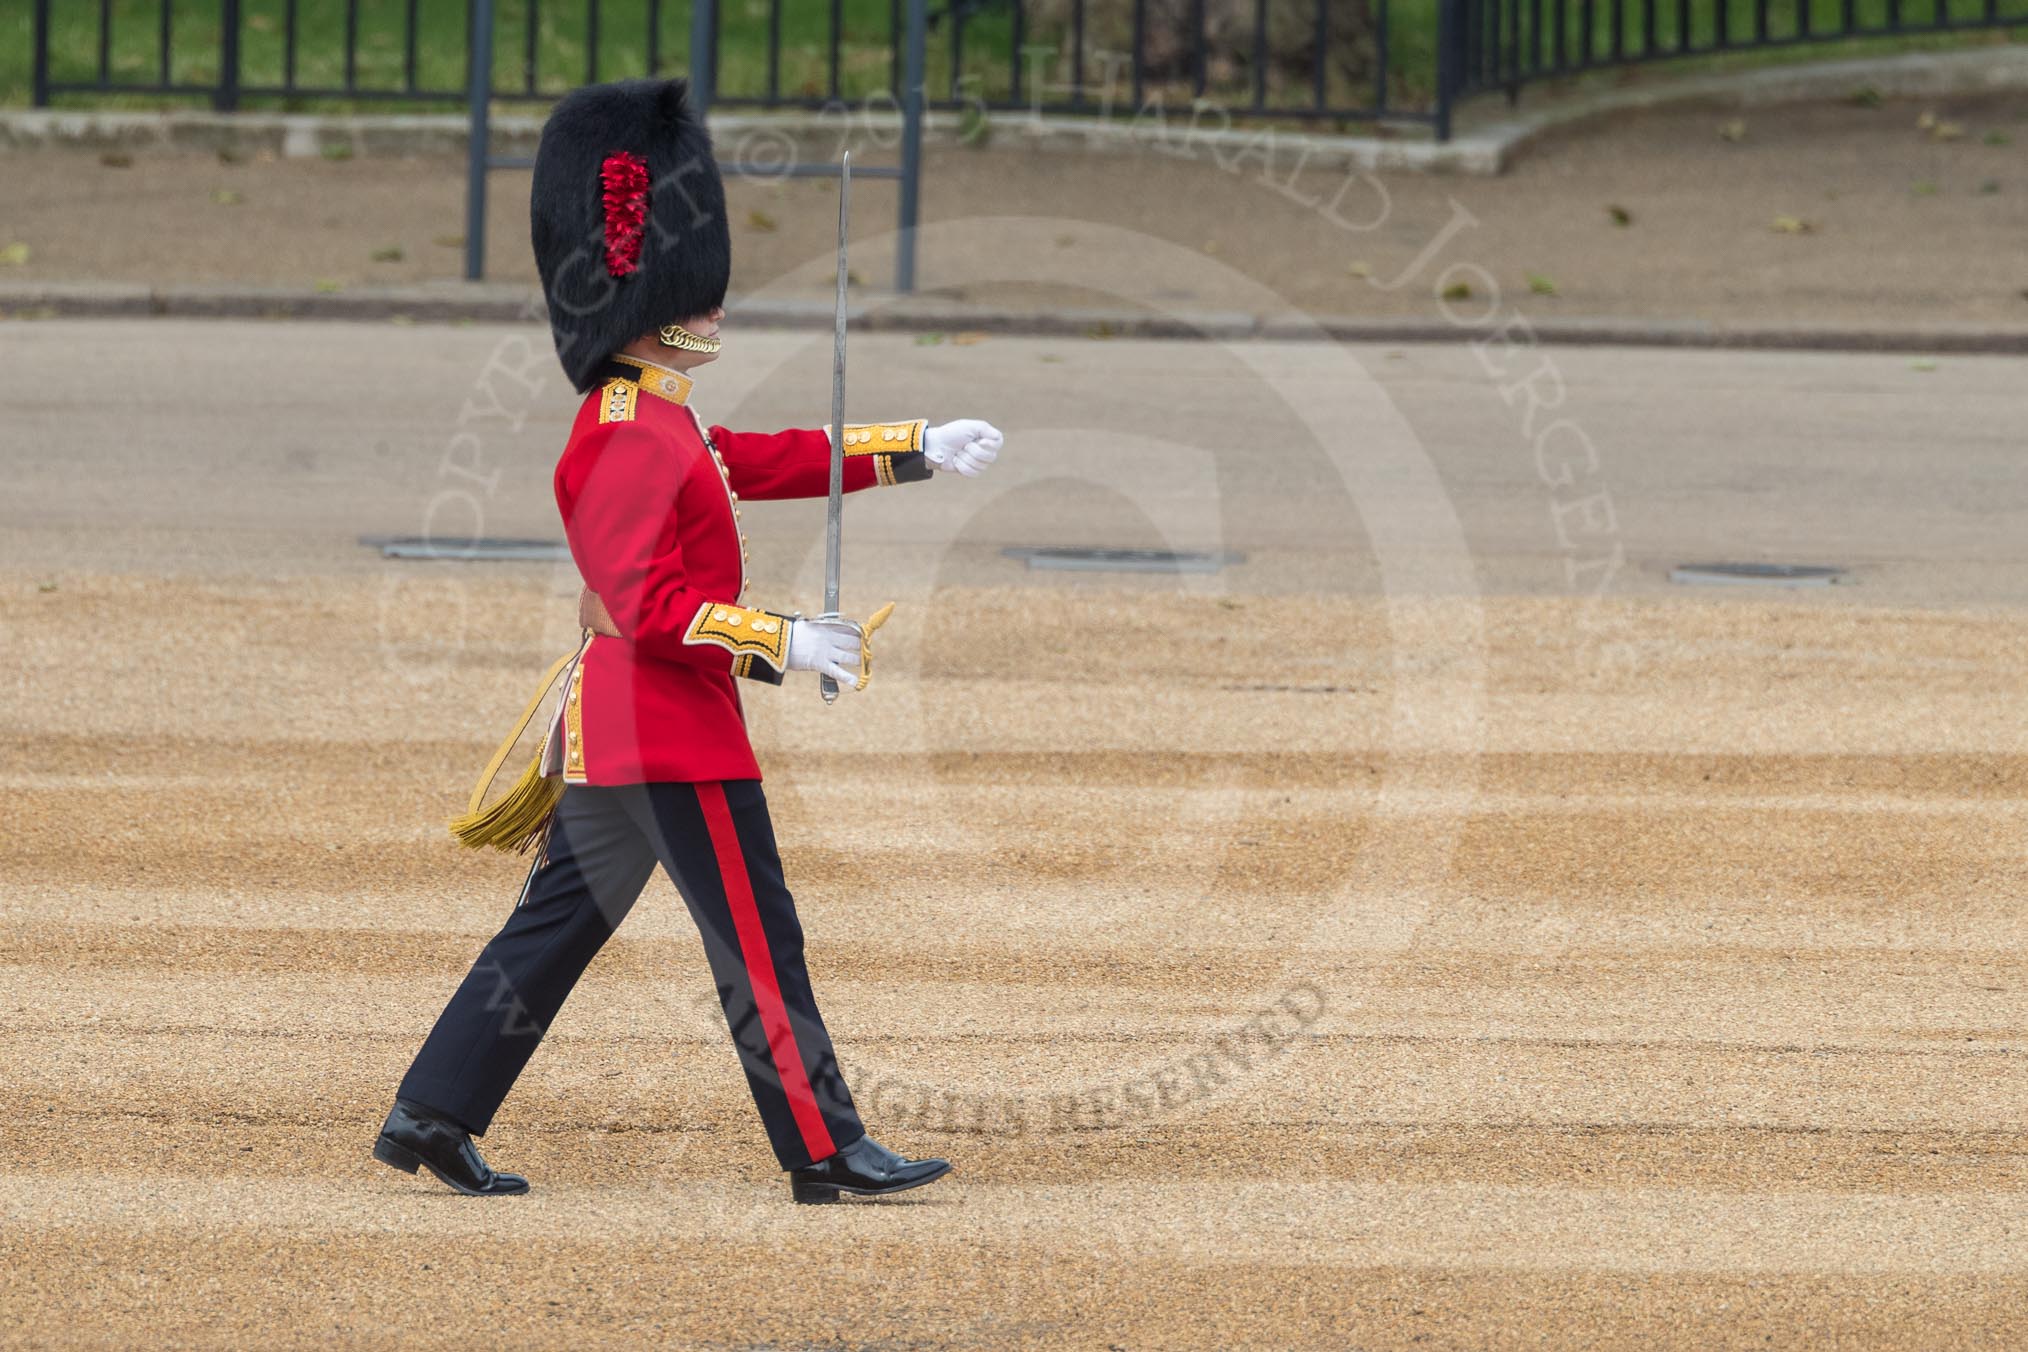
(828, 685)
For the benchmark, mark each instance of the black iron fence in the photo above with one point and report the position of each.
(1315, 61)
(1504, 44)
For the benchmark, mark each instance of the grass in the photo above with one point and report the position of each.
(559, 55)
(380, 59)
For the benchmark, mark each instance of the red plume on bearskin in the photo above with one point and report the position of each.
(625, 178)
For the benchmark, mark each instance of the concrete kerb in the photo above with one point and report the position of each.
(813, 136)
(1481, 146)
(499, 303)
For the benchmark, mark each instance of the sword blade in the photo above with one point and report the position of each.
(834, 522)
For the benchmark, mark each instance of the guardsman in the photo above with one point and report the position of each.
(648, 744)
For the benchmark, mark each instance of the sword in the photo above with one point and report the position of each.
(834, 522)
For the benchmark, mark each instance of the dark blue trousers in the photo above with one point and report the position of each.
(717, 844)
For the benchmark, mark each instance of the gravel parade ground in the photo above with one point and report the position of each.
(1434, 930)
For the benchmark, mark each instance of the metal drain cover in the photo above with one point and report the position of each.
(475, 551)
(1755, 575)
(1121, 560)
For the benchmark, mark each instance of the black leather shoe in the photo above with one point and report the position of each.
(866, 1168)
(416, 1138)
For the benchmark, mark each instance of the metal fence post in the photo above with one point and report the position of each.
(703, 37)
(1450, 36)
(226, 97)
(912, 77)
(40, 79)
(479, 150)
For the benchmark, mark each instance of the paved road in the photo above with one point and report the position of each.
(274, 447)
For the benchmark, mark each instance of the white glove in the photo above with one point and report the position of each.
(835, 648)
(965, 446)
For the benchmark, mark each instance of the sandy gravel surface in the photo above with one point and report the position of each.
(1657, 991)
(1893, 226)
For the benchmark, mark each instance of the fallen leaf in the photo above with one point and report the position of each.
(1997, 138)
(1733, 131)
(1360, 270)
(117, 159)
(1923, 364)
(928, 339)
(1211, 246)
(852, 278)
(970, 338)
(1923, 189)
(449, 241)
(391, 254)
(45, 587)
(1947, 131)
(1926, 119)
(327, 287)
(759, 220)
(1102, 330)
(1620, 215)
(226, 197)
(975, 126)
(1457, 291)
(1541, 285)
(14, 255)
(227, 155)
(1792, 225)
(401, 321)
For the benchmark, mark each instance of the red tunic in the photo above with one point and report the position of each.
(650, 504)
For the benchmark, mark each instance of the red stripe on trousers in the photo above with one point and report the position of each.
(760, 972)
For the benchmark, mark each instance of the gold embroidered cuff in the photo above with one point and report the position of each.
(742, 632)
(744, 667)
(892, 438)
(896, 448)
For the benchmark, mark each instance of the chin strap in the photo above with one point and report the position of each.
(676, 336)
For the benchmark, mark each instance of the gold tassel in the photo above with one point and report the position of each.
(518, 819)
(522, 815)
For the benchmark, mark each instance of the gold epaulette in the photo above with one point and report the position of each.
(617, 400)
(743, 632)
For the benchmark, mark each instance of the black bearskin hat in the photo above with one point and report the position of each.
(628, 219)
